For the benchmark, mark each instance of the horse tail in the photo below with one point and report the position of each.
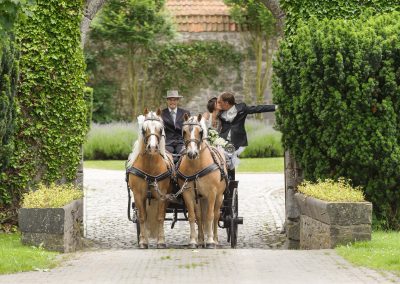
(152, 218)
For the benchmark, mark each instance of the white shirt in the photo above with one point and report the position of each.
(229, 115)
(175, 110)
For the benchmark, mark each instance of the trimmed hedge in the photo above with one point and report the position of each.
(337, 85)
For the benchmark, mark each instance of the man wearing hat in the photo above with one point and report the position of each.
(173, 121)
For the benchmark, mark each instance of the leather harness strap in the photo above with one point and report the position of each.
(150, 179)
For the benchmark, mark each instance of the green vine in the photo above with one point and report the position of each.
(51, 109)
(185, 66)
(332, 9)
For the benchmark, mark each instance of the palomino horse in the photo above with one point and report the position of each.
(150, 171)
(202, 176)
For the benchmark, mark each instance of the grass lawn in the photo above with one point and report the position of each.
(382, 252)
(15, 257)
(255, 165)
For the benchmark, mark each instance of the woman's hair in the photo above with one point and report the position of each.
(211, 104)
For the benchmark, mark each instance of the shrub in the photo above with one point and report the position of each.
(51, 196)
(110, 141)
(114, 141)
(330, 190)
(264, 141)
(337, 85)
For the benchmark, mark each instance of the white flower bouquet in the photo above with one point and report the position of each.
(215, 139)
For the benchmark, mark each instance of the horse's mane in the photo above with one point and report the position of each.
(137, 147)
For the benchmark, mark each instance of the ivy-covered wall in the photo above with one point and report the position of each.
(332, 9)
(51, 108)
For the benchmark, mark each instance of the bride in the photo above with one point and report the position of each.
(211, 117)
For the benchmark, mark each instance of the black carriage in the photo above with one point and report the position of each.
(176, 211)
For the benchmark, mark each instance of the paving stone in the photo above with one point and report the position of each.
(261, 204)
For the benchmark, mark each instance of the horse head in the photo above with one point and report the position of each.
(193, 132)
(153, 132)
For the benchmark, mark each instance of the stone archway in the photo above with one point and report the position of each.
(292, 171)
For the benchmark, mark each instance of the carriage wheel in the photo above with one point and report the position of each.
(234, 215)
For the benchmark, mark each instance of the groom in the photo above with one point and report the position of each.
(233, 116)
(173, 121)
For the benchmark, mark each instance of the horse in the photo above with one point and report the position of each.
(202, 176)
(150, 170)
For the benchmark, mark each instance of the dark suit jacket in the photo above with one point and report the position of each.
(238, 132)
(173, 132)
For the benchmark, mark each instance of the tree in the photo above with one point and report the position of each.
(132, 27)
(259, 21)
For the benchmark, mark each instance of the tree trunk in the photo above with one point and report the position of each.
(278, 13)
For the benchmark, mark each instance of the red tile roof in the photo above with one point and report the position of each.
(201, 16)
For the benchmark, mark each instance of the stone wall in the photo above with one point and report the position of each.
(241, 83)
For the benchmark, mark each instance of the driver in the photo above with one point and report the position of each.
(173, 121)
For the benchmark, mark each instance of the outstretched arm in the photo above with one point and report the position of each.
(260, 108)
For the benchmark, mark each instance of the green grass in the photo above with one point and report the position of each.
(15, 257)
(382, 252)
(256, 165)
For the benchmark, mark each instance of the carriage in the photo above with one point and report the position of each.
(176, 209)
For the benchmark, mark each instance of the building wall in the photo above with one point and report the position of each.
(241, 83)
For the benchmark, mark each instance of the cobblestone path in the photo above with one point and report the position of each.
(261, 204)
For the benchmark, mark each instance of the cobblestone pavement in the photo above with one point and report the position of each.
(261, 204)
(204, 266)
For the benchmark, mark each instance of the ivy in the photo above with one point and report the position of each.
(297, 10)
(185, 66)
(52, 107)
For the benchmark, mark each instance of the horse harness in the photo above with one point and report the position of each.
(152, 181)
(217, 165)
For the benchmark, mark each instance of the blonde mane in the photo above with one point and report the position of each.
(137, 147)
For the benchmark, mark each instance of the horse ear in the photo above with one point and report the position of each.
(146, 111)
(158, 112)
(199, 117)
(186, 116)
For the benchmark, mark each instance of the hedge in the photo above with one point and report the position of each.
(337, 85)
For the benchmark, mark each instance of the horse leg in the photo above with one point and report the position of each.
(209, 221)
(161, 218)
(188, 197)
(200, 207)
(141, 206)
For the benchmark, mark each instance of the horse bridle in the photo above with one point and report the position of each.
(146, 137)
(195, 140)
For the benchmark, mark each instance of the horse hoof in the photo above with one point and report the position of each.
(192, 246)
(143, 246)
(211, 246)
(161, 246)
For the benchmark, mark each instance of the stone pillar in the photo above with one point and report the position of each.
(293, 177)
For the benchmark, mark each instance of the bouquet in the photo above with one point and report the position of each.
(215, 139)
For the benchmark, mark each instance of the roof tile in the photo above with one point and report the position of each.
(201, 15)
